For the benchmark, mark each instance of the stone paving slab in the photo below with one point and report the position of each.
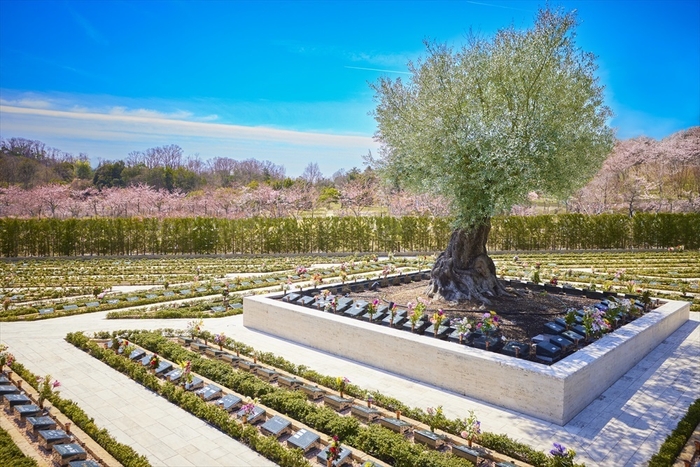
(623, 427)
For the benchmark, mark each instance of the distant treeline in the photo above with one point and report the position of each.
(203, 235)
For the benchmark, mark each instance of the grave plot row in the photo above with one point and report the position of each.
(287, 431)
(363, 410)
(41, 428)
(558, 339)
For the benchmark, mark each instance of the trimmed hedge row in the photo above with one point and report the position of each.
(200, 235)
(155, 341)
(216, 416)
(12, 455)
(376, 441)
(675, 442)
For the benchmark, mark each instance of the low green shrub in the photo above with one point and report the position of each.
(672, 447)
(11, 454)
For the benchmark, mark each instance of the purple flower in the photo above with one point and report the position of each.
(558, 451)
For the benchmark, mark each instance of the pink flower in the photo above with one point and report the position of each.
(55, 384)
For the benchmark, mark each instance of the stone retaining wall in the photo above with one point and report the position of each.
(553, 393)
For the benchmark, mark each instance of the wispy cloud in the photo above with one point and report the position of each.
(114, 133)
(377, 69)
(88, 28)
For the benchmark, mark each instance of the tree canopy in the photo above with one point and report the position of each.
(498, 118)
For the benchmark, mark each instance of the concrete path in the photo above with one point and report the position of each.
(623, 427)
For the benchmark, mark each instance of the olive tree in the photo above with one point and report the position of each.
(484, 125)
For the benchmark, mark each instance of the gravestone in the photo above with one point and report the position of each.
(50, 438)
(12, 400)
(366, 414)
(163, 367)
(547, 351)
(303, 439)
(516, 349)
(313, 392)
(564, 344)
(196, 383)
(399, 319)
(395, 424)
(65, 453)
(429, 438)
(70, 307)
(291, 297)
(267, 374)
(574, 337)
(442, 332)
(92, 304)
(276, 426)
(229, 402)
(45, 311)
(209, 392)
(289, 382)
(41, 423)
(344, 457)
(27, 410)
(353, 311)
(472, 455)
(421, 325)
(257, 414)
(336, 402)
(137, 354)
(84, 463)
(553, 328)
(305, 300)
(230, 358)
(174, 375)
(490, 343)
(8, 389)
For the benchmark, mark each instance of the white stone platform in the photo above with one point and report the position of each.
(555, 393)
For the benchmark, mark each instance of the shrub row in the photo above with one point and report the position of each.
(376, 441)
(121, 452)
(212, 414)
(12, 455)
(498, 442)
(675, 442)
(135, 236)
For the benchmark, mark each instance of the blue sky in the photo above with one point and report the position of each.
(287, 81)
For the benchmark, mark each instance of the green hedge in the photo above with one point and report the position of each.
(294, 404)
(136, 236)
(385, 447)
(11, 454)
(675, 442)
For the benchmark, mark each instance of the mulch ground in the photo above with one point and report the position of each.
(523, 313)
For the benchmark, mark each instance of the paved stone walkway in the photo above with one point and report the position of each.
(623, 427)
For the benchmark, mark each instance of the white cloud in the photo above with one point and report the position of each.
(112, 134)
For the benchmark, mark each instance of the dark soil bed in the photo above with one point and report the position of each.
(523, 313)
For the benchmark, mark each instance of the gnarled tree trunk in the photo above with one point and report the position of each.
(464, 270)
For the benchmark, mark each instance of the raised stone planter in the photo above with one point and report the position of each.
(570, 384)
